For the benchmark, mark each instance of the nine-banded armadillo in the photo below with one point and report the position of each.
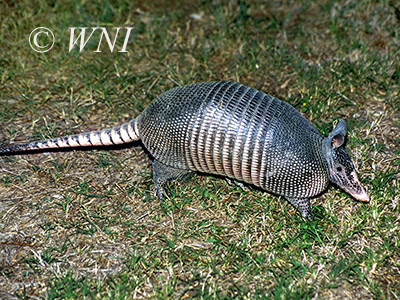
(229, 129)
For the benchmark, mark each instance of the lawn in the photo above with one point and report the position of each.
(85, 224)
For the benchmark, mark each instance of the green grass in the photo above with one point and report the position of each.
(79, 225)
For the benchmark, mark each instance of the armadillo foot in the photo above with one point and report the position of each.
(162, 174)
(303, 205)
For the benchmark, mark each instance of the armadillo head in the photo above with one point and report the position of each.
(341, 168)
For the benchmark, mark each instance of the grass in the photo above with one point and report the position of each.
(85, 224)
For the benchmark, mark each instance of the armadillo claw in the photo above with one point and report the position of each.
(159, 191)
(236, 182)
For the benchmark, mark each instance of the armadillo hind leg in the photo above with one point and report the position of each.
(303, 205)
(162, 174)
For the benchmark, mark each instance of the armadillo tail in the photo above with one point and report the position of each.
(122, 134)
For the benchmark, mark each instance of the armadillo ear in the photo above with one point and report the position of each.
(335, 139)
(338, 134)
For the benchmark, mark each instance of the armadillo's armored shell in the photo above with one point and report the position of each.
(236, 131)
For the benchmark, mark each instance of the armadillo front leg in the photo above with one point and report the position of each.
(303, 205)
(162, 174)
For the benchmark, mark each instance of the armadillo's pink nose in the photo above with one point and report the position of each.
(356, 190)
(363, 196)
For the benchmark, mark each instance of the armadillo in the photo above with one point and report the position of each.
(229, 129)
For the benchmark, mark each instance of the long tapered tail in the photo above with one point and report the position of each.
(125, 133)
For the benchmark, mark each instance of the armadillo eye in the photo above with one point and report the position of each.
(339, 169)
